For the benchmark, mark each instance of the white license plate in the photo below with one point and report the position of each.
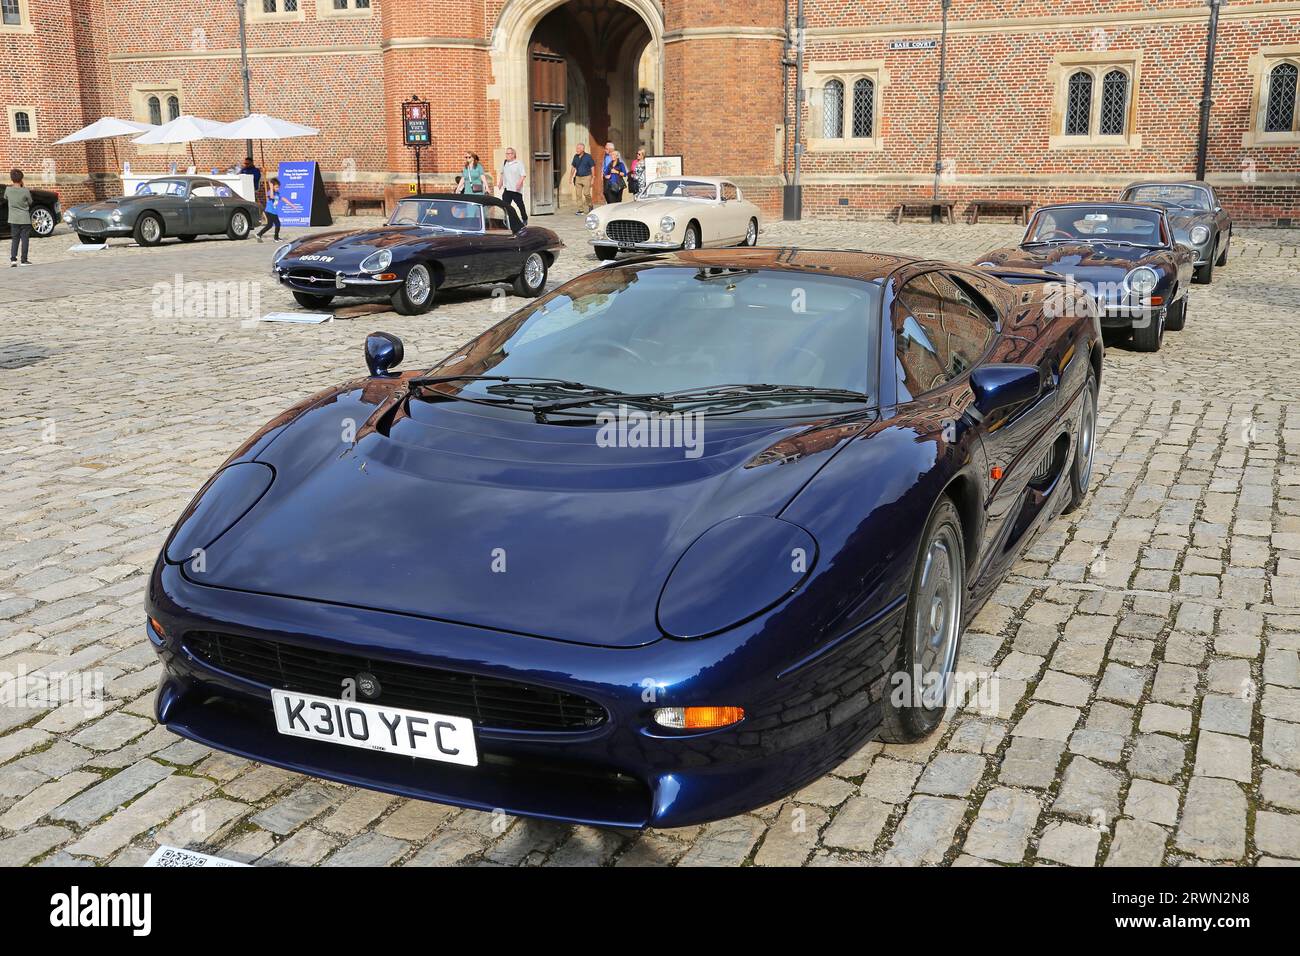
(372, 727)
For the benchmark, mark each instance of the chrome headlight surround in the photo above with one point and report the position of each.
(667, 224)
(592, 221)
(1199, 234)
(116, 215)
(377, 261)
(68, 217)
(281, 252)
(1142, 281)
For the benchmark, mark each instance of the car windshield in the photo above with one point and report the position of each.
(162, 187)
(661, 328)
(1139, 227)
(1191, 197)
(450, 214)
(680, 189)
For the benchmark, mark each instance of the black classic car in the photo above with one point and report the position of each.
(182, 206)
(1198, 219)
(432, 241)
(45, 212)
(1123, 255)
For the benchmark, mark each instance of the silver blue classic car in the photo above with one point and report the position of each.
(1198, 219)
(180, 206)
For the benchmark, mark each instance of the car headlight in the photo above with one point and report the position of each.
(281, 252)
(67, 217)
(1142, 280)
(733, 572)
(593, 221)
(667, 224)
(377, 262)
(1199, 234)
(117, 215)
(227, 497)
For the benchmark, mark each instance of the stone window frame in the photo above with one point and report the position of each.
(1097, 64)
(325, 10)
(139, 100)
(24, 24)
(1259, 69)
(13, 111)
(258, 15)
(847, 72)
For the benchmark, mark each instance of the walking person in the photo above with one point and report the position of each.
(615, 178)
(272, 209)
(474, 178)
(604, 170)
(580, 169)
(512, 184)
(19, 198)
(636, 175)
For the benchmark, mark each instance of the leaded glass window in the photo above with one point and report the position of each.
(22, 122)
(1078, 104)
(1114, 103)
(864, 108)
(833, 109)
(173, 107)
(155, 111)
(12, 14)
(1279, 115)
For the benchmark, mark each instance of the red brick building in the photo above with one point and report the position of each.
(1045, 100)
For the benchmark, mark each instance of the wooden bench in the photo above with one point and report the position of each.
(934, 211)
(367, 201)
(1017, 209)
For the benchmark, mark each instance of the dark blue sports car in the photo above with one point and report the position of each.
(662, 547)
(431, 242)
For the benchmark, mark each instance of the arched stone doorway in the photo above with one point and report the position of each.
(570, 71)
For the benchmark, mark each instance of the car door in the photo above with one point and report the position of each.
(498, 248)
(206, 207)
(731, 215)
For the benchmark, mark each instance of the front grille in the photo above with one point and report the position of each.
(318, 278)
(488, 701)
(627, 230)
(91, 225)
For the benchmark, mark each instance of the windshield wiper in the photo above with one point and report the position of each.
(710, 395)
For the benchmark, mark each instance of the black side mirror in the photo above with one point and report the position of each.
(999, 387)
(383, 351)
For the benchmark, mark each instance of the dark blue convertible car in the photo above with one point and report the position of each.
(662, 547)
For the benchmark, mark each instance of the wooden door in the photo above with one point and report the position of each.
(548, 85)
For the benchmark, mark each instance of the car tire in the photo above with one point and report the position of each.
(1203, 275)
(148, 230)
(605, 254)
(928, 649)
(43, 221)
(309, 301)
(1147, 338)
(1177, 317)
(531, 281)
(187, 237)
(239, 226)
(1085, 447)
(751, 233)
(415, 295)
(1223, 256)
(692, 238)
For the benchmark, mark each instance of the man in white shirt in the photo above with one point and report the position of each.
(512, 183)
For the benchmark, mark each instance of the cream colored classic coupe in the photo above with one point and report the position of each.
(682, 212)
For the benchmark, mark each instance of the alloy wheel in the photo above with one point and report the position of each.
(938, 616)
(42, 221)
(1087, 432)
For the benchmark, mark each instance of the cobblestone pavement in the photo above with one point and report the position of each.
(1149, 706)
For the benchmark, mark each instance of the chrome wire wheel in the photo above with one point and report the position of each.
(417, 285)
(937, 616)
(151, 229)
(42, 221)
(534, 271)
(751, 233)
(691, 241)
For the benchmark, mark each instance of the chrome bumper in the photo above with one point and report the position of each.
(320, 284)
(634, 246)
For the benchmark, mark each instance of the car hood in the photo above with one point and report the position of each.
(366, 241)
(1081, 261)
(451, 511)
(652, 210)
(102, 206)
